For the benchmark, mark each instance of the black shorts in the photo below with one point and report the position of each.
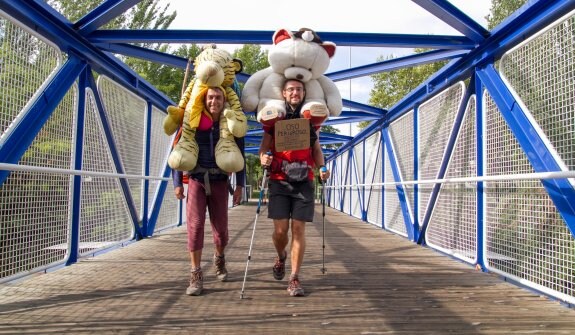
(291, 200)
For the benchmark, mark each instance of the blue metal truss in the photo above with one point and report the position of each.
(561, 191)
(470, 54)
(475, 47)
(445, 160)
(409, 225)
(265, 37)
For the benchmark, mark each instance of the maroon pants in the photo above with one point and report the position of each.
(217, 205)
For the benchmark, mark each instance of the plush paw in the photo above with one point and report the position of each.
(184, 157)
(173, 120)
(180, 162)
(228, 155)
(269, 115)
(235, 121)
(316, 113)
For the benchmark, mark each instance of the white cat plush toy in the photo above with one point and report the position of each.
(303, 56)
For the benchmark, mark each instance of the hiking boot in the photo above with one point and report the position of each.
(220, 265)
(279, 268)
(196, 283)
(294, 287)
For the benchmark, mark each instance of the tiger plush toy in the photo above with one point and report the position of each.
(213, 67)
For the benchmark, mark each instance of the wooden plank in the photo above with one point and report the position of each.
(376, 283)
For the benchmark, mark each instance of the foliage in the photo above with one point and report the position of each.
(501, 9)
(254, 170)
(147, 14)
(74, 10)
(330, 130)
(253, 58)
(170, 80)
(390, 87)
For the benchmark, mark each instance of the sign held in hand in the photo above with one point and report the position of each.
(292, 134)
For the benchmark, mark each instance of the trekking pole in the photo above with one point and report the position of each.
(323, 270)
(262, 190)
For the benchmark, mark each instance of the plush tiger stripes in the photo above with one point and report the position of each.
(213, 67)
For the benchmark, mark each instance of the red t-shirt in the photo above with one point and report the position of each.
(304, 155)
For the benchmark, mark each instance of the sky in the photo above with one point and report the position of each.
(388, 17)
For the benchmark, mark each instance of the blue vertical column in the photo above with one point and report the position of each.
(77, 165)
(480, 168)
(400, 188)
(416, 230)
(146, 182)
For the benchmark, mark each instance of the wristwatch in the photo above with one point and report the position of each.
(323, 169)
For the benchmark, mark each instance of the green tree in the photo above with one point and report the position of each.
(501, 9)
(330, 130)
(170, 80)
(254, 171)
(75, 10)
(390, 87)
(252, 57)
(147, 14)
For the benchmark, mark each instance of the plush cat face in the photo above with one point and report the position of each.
(301, 55)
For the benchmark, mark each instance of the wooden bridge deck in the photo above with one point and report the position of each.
(376, 283)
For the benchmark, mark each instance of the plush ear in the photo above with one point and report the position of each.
(280, 35)
(329, 47)
(238, 65)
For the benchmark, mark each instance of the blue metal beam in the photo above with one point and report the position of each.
(154, 56)
(328, 142)
(397, 63)
(375, 111)
(331, 136)
(265, 37)
(55, 29)
(33, 119)
(102, 14)
(536, 151)
(254, 150)
(76, 189)
(144, 53)
(400, 188)
(355, 114)
(116, 158)
(374, 126)
(451, 15)
(449, 148)
(532, 18)
(348, 120)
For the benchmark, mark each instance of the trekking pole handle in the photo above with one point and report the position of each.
(265, 168)
(268, 153)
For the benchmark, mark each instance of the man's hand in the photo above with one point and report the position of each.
(179, 191)
(323, 173)
(266, 159)
(237, 198)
